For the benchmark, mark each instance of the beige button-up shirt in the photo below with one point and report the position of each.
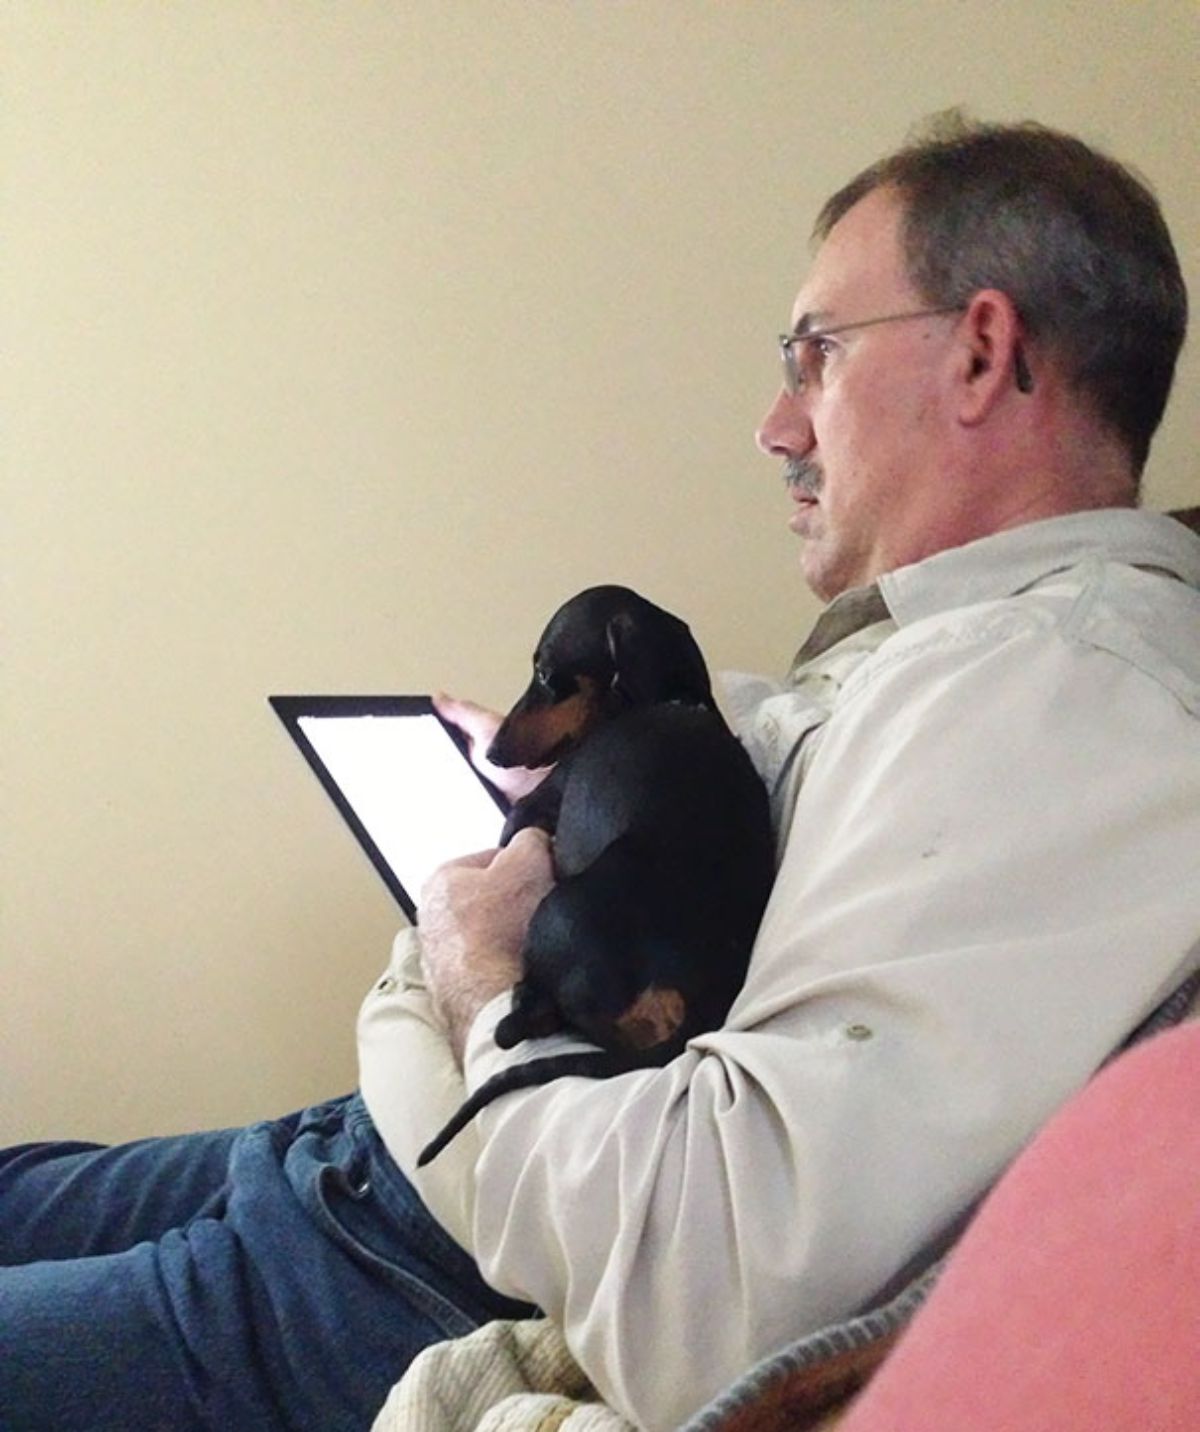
(986, 782)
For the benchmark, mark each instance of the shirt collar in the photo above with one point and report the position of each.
(1007, 563)
(848, 613)
(1012, 561)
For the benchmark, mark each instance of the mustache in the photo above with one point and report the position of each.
(802, 473)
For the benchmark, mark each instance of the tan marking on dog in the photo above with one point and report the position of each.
(653, 1018)
(535, 737)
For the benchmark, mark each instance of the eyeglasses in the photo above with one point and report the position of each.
(794, 379)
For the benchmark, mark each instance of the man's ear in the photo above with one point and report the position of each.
(992, 358)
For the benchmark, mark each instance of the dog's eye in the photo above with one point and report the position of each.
(553, 684)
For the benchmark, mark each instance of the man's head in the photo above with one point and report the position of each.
(1035, 310)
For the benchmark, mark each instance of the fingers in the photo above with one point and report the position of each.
(525, 867)
(527, 856)
(526, 859)
(526, 840)
(529, 845)
(477, 723)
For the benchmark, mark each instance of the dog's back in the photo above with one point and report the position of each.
(664, 857)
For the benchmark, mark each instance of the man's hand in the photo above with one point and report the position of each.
(474, 914)
(479, 726)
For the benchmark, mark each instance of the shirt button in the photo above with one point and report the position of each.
(386, 985)
(859, 1031)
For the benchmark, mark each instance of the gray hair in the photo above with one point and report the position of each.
(1074, 238)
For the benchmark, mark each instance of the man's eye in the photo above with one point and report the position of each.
(813, 353)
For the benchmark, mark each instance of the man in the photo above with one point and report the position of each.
(985, 771)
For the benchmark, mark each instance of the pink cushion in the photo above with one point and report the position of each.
(1073, 1300)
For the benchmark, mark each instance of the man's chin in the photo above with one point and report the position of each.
(819, 574)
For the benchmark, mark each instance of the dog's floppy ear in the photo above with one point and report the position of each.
(667, 666)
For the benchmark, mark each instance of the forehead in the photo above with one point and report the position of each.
(859, 269)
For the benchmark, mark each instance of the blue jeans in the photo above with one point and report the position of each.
(278, 1276)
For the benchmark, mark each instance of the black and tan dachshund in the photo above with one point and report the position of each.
(663, 851)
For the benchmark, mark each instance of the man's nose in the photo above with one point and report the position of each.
(785, 430)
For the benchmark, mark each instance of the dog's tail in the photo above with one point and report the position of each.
(592, 1064)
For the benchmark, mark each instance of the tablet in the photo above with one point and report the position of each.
(400, 778)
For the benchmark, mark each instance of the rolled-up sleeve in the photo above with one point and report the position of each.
(990, 877)
(412, 1085)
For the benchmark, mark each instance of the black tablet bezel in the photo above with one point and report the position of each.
(290, 710)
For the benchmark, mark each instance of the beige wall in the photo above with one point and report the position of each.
(348, 339)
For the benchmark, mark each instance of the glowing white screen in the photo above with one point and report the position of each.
(410, 787)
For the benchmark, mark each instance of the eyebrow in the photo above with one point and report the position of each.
(810, 323)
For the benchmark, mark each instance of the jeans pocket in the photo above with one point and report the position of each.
(349, 1209)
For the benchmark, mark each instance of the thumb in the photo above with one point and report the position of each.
(532, 848)
(528, 839)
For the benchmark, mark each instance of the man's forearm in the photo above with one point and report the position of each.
(458, 1006)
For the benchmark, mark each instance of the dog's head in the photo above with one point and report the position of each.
(604, 651)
